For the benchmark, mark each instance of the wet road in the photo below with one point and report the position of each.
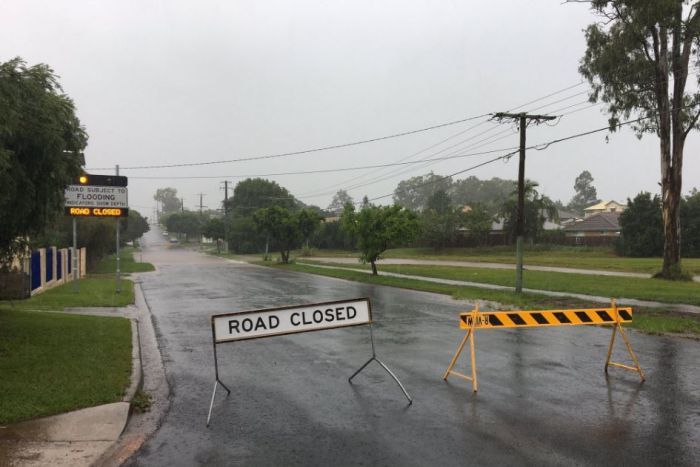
(543, 397)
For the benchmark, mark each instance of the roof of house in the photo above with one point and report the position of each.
(602, 205)
(600, 221)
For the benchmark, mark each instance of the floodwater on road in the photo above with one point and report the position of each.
(543, 395)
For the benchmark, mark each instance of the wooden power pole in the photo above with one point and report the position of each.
(523, 119)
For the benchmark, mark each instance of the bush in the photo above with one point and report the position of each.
(642, 227)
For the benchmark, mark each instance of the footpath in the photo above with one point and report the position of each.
(104, 435)
(683, 308)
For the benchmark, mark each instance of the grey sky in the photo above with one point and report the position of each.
(178, 82)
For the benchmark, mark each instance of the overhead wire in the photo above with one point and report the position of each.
(305, 151)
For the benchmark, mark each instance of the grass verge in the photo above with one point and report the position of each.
(98, 292)
(52, 363)
(582, 257)
(652, 321)
(605, 286)
(127, 263)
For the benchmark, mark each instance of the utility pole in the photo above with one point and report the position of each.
(201, 195)
(182, 205)
(225, 182)
(118, 278)
(523, 119)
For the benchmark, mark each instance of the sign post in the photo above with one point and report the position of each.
(269, 322)
(118, 285)
(76, 287)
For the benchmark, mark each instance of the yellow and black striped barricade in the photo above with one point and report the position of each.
(475, 319)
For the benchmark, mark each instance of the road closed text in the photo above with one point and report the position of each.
(249, 325)
(96, 212)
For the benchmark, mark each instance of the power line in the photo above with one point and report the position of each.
(322, 191)
(539, 147)
(305, 151)
(317, 171)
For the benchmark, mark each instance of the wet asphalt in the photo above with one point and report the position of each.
(543, 396)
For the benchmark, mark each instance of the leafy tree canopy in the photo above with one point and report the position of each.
(378, 228)
(340, 199)
(414, 193)
(41, 144)
(637, 61)
(538, 208)
(286, 228)
(255, 193)
(133, 227)
(170, 203)
(187, 223)
(642, 228)
(585, 193)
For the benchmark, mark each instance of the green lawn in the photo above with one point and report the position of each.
(91, 292)
(55, 362)
(554, 255)
(647, 320)
(127, 263)
(605, 286)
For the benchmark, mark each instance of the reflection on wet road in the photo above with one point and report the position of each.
(543, 396)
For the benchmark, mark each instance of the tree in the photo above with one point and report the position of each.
(439, 202)
(378, 228)
(690, 220)
(133, 227)
(414, 193)
(585, 193)
(168, 199)
(187, 223)
(250, 195)
(96, 234)
(538, 208)
(41, 144)
(642, 227)
(285, 227)
(637, 62)
(478, 223)
(487, 193)
(439, 221)
(215, 229)
(340, 199)
(309, 220)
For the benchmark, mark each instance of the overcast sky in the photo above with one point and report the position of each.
(179, 82)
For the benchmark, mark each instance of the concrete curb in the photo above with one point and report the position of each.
(136, 368)
(140, 426)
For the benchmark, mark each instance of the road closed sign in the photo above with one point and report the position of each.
(289, 320)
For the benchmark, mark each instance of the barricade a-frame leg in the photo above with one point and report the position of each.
(617, 327)
(217, 382)
(376, 359)
(469, 336)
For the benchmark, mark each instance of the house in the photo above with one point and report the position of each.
(599, 224)
(605, 206)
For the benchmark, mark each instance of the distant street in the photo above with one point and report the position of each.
(543, 396)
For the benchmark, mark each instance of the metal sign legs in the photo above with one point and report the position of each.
(374, 358)
(216, 383)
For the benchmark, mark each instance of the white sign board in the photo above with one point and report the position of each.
(288, 320)
(90, 196)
